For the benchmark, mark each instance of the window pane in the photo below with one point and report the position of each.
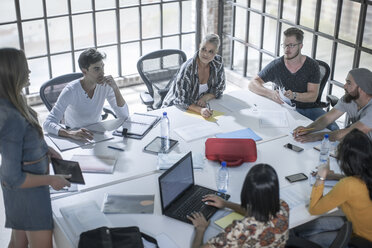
(106, 27)
(188, 17)
(324, 50)
(77, 54)
(59, 34)
(256, 4)
(269, 35)
(240, 23)
(253, 62)
(61, 64)
(284, 27)
(9, 36)
(327, 16)
(307, 43)
(39, 73)
(255, 29)
(150, 46)
(128, 52)
(7, 11)
(289, 10)
(272, 7)
(242, 2)
(365, 60)
(104, 4)
(349, 20)
(34, 38)
(83, 31)
(367, 37)
(266, 59)
(31, 8)
(111, 61)
(149, 1)
(171, 17)
(238, 57)
(171, 43)
(124, 3)
(308, 13)
(56, 7)
(188, 44)
(81, 5)
(344, 62)
(129, 24)
(150, 21)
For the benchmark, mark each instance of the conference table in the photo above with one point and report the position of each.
(136, 171)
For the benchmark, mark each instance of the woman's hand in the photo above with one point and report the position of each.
(323, 170)
(214, 200)
(201, 103)
(206, 113)
(53, 153)
(59, 181)
(199, 221)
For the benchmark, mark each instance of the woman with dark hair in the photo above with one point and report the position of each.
(266, 216)
(24, 171)
(353, 193)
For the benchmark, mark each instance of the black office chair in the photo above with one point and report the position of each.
(157, 70)
(341, 240)
(324, 75)
(359, 242)
(50, 90)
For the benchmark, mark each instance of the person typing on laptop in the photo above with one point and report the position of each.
(266, 218)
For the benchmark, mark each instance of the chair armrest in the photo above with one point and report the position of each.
(332, 99)
(146, 98)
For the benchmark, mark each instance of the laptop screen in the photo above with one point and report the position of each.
(176, 179)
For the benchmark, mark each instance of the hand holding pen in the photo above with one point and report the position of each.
(206, 112)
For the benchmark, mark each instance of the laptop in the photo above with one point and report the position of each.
(180, 196)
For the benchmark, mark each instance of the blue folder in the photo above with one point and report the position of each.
(246, 133)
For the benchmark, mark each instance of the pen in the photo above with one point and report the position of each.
(116, 148)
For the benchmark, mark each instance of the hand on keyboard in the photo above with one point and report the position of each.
(214, 200)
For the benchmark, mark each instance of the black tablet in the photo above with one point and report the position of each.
(155, 146)
(66, 167)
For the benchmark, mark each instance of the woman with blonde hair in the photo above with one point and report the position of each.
(24, 171)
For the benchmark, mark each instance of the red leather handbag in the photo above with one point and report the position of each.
(233, 151)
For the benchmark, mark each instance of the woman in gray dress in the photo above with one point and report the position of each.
(24, 171)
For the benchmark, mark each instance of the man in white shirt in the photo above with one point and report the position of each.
(81, 101)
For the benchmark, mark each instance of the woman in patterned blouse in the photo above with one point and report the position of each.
(266, 216)
(199, 79)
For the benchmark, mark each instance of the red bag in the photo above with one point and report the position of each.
(233, 151)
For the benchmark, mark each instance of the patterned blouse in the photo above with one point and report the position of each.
(249, 232)
(185, 88)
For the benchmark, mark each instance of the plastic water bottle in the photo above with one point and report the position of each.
(324, 150)
(164, 133)
(222, 178)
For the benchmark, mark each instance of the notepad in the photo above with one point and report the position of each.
(137, 125)
(246, 133)
(128, 204)
(228, 219)
(95, 164)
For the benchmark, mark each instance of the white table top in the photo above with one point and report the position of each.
(135, 170)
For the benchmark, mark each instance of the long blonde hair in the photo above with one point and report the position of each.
(13, 77)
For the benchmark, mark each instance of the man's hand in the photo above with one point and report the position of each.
(275, 97)
(310, 137)
(109, 80)
(81, 134)
(301, 130)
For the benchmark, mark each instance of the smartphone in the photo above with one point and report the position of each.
(294, 147)
(296, 177)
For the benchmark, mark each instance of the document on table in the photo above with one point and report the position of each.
(138, 124)
(95, 164)
(197, 131)
(246, 133)
(213, 118)
(128, 204)
(65, 144)
(270, 118)
(293, 196)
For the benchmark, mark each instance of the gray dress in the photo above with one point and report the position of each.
(25, 209)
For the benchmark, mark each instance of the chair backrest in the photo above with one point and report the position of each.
(324, 75)
(51, 89)
(343, 236)
(158, 68)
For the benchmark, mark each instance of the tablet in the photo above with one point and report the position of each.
(66, 167)
(155, 146)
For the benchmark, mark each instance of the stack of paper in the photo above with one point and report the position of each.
(95, 164)
(198, 131)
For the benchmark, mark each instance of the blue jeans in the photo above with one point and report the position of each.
(322, 230)
(315, 113)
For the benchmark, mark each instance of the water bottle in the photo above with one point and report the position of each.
(164, 133)
(222, 178)
(324, 150)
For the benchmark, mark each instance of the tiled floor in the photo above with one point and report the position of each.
(131, 95)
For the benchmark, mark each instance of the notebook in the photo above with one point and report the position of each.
(179, 195)
(137, 125)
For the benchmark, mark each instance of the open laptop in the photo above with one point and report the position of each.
(180, 196)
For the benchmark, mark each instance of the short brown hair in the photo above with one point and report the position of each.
(295, 32)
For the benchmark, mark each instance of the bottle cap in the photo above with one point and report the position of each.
(223, 164)
(326, 136)
(164, 113)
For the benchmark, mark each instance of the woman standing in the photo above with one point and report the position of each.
(199, 80)
(25, 159)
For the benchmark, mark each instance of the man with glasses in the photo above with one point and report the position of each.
(296, 75)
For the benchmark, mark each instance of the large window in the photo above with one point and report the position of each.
(53, 33)
(338, 32)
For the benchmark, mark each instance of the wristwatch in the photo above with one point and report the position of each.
(294, 95)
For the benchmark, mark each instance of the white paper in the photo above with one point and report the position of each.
(270, 118)
(198, 131)
(165, 161)
(97, 164)
(293, 197)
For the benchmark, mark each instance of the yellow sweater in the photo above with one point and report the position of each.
(351, 194)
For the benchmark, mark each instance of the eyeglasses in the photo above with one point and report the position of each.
(289, 45)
